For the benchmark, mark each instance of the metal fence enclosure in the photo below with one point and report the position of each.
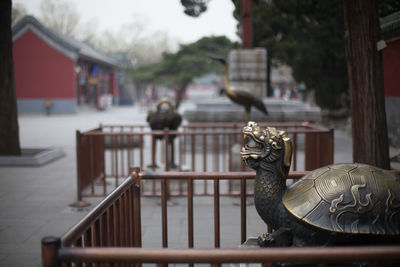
(105, 154)
(111, 234)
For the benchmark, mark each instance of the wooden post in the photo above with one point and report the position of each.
(50, 247)
(247, 27)
(79, 203)
(318, 149)
(137, 208)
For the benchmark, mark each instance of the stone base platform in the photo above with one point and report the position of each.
(223, 110)
(33, 157)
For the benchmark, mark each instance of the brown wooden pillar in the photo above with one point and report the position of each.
(50, 247)
(247, 24)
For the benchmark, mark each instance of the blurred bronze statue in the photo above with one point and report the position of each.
(240, 97)
(336, 204)
(164, 117)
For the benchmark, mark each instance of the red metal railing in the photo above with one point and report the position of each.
(104, 154)
(217, 179)
(111, 234)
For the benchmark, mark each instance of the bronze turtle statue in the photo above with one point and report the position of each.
(336, 204)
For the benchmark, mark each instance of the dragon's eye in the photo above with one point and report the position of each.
(275, 145)
(250, 143)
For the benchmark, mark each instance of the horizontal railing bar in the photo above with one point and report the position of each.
(218, 175)
(104, 133)
(123, 125)
(92, 195)
(216, 125)
(234, 125)
(97, 133)
(209, 175)
(69, 237)
(178, 194)
(304, 126)
(232, 255)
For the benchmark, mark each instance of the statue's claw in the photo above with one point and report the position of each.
(279, 238)
(266, 240)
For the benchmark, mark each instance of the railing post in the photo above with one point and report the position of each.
(318, 149)
(136, 207)
(166, 139)
(50, 247)
(79, 203)
(332, 144)
(78, 166)
(101, 157)
(153, 152)
(234, 128)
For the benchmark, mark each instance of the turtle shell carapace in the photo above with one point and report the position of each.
(347, 198)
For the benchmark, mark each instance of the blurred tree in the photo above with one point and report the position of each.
(311, 41)
(60, 15)
(18, 12)
(134, 44)
(9, 131)
(308, 36)
(190, 61)
(194, 8)
(387, 7)
(364, 60)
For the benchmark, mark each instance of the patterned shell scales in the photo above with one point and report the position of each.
(347, 198)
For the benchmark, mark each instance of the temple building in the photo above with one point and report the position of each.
(56, 74)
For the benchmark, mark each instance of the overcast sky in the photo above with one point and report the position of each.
(164, 15)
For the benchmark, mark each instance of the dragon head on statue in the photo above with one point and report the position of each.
(265, 147)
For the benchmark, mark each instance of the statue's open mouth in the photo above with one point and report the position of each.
(251, 148)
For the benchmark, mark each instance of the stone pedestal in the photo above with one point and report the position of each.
(248, 70)
(251, 242)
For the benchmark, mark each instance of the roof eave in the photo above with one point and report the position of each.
(111, 64)
(30, 23)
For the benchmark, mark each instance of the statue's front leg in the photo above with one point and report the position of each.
(279, 238)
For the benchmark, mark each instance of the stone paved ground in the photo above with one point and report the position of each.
(34, 200)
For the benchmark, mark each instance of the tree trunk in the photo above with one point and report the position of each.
(9, 133)
(179, 97)
(364, 62)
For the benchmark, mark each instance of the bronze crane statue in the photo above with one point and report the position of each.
(161, 119)
(240, 97)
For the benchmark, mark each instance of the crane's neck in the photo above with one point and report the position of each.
(227, 82)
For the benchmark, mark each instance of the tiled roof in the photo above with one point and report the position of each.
(390, 25)
(65, 44)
